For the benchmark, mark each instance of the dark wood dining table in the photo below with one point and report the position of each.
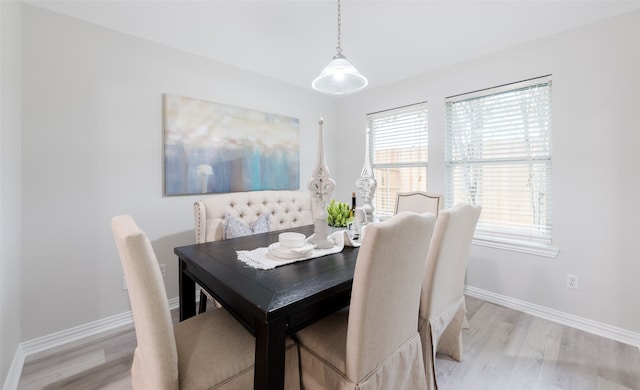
(271, 304)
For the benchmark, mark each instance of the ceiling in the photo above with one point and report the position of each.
(293, 41)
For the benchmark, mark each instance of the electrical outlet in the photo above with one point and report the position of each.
(572, 281)
(163, 270)
(124, 283)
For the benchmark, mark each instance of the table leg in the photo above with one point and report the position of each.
(187, 293)
(270, 347)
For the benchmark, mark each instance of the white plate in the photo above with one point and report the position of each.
(286, 253)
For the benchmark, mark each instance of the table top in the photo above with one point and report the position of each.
(300, 292)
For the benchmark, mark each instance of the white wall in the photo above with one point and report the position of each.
(596, 187)
(92, 149)
(9, 183)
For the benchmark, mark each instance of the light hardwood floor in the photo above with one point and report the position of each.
(504, 349)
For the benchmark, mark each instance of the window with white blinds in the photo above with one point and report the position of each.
(498, 156)
(399, 153)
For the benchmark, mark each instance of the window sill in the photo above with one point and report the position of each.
(531, 248)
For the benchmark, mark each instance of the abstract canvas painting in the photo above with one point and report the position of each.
(211, 148)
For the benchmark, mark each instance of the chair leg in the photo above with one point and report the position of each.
(202, 307)
(465, 323)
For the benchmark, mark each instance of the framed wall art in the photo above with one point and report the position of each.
(212, 148)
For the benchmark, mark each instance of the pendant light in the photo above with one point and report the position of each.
(339, 77)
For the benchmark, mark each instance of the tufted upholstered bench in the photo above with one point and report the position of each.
(286, 209)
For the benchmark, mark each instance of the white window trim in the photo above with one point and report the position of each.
(531, 248)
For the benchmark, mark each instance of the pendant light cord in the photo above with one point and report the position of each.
(339, 48)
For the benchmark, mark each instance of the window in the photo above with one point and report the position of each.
(398, 146)
(498, 156)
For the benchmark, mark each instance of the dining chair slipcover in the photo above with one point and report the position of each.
(374, 344)
(419, 202)
(442, 305)
(208, 351)
(422, 202)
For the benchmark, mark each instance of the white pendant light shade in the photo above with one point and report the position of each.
(339, 77)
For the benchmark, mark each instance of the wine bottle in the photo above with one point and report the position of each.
(353, 204)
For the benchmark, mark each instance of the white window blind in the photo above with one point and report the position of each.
(498, 156)
(399, 153)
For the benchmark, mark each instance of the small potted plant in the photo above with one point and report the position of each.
(339, 213)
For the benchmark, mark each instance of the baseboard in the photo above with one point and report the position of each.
(44, 343)
(598, 328)
(13, 376)
(27, 348)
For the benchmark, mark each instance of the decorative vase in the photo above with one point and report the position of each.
(367, 183)
(321, 186)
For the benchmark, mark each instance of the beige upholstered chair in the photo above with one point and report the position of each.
(374, 344)
(208, 351)
(442, 306)
(419, 202)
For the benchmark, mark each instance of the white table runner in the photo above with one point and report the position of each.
(261, 258)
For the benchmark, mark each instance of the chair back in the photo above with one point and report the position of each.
(386, 290)
(149, 304)
(286, 209)
(448, 256)
(419, 202)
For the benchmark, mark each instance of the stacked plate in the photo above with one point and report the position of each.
(290, 245)
(281, 252)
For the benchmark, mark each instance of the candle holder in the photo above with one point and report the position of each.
(321, 186)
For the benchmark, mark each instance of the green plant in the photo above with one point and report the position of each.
(339, 213)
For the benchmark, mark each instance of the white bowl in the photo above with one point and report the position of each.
(291, 240)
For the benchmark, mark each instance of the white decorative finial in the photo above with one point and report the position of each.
(367, 183)
(321, 186)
